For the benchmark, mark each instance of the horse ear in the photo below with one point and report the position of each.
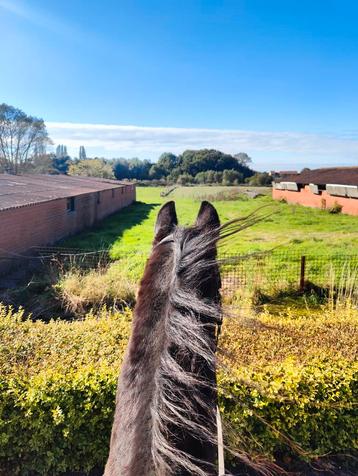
(208, 216)
(166, 221)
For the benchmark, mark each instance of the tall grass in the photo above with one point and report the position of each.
(79, 290)
(343, 288)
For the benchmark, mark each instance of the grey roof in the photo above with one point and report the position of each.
(21, 190)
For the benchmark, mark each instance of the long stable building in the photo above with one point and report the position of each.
(320, 188)
(37, 210)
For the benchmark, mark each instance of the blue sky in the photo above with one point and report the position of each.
(276, 79)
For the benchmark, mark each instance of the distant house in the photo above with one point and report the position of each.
(320, 188)
(37, 210)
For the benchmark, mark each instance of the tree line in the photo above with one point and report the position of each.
(23, 149)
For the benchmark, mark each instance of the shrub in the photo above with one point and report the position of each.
(185, 179)
(56, 422)
(307, 409)
(58, 382)
(335, 208)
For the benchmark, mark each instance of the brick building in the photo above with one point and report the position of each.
(320, 188)
(37, 210)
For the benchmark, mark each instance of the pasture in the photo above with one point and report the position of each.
(290, 227)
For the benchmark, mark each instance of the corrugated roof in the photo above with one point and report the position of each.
(336, 175)
(20, 190)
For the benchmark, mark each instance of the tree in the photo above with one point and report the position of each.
(92, 168)
(232, 177)
(21, 137)
(132, 169)
(260, 179)
(167, 162)
(185, 179)
(209, 176)
(61, 164)
(194, 161)
(43, 164)
(174, 174)
(156, 172)
(82, 153)
(243, 159)
(61, 151)
(121, 169)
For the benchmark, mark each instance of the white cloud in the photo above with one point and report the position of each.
(117, 140)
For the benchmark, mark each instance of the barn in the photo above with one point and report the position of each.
(320, 188)
(37, 210)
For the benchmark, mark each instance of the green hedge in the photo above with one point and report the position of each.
(56, 411)
(308, 410)
(55, 422)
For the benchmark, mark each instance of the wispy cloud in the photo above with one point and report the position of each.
(45, 20)
(116, 140)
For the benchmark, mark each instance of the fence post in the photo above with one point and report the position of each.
(302, 273)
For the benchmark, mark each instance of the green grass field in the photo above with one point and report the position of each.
(291, 228)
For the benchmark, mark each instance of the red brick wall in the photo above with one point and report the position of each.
(323, 200)
(45, 223)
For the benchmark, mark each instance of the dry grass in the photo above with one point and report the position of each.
(80, 291)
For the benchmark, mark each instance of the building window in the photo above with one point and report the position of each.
(71, 204)
(98, 198)
(113, 192)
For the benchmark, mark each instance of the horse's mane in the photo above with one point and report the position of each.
(188, 335)
(194, 264)
(182, 324)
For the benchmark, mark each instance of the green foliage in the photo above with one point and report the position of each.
(167, 162)
(92, 168)
(53, 423)
(134, 169)
(61, 164)
(43, 164)
(243, 158)
(232, 177)
(185, 179)
(260, 179)
(309, 410)
(22, 138)
(226, 177)
(193, 162)
(189, 164)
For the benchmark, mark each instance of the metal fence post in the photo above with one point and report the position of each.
(302, 273)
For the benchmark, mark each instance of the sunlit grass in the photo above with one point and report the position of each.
(291, 227)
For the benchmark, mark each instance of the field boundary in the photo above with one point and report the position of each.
(261, 270)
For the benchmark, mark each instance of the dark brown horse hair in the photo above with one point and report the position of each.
(165, 419)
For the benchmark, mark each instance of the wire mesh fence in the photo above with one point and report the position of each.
(261, 270)
(267, 271)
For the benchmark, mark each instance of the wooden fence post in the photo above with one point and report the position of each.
(302, 273)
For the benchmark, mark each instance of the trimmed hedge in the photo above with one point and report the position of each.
(309, 410)
(54, 422)
(58, 383)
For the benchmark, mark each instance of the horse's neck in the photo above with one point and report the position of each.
(148, 385)
(132, 440)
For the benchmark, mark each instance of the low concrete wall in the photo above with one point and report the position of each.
(308, 199)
